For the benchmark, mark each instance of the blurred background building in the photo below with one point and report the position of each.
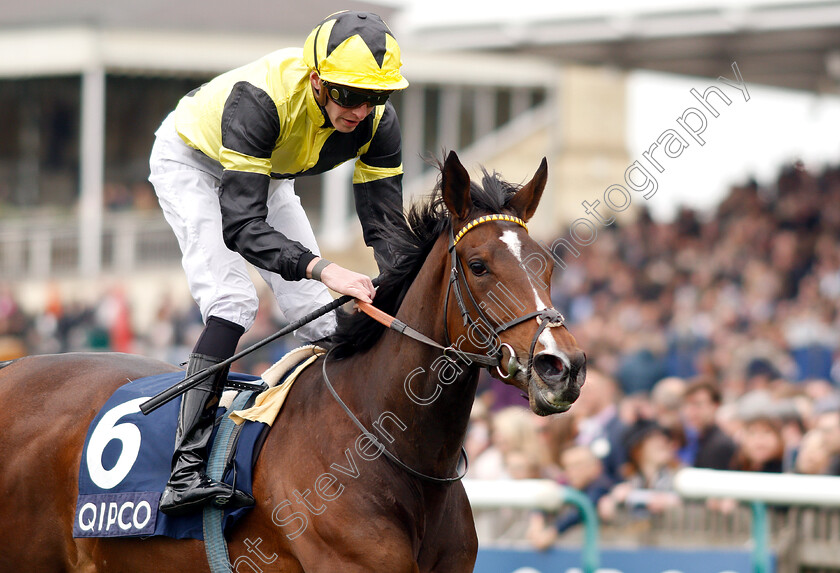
(83, 86)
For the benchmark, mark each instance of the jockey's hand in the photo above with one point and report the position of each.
(344, 281)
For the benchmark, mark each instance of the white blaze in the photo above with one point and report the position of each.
(545, 336)
(514, 245)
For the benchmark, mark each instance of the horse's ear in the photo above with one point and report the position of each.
(455, 185)
(528, 197)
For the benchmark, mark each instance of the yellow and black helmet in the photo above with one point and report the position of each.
(355, 49)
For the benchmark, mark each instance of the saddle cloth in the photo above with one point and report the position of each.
(127, 457)
(268, 404)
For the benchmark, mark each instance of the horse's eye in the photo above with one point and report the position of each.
(478, 268)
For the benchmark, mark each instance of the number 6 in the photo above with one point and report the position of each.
(103, 433)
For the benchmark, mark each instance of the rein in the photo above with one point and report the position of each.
(447, 480)
(450, 351)
(546, 318)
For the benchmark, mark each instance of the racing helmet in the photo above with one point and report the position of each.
(355, 49)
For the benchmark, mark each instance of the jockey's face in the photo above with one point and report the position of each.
(343, 119)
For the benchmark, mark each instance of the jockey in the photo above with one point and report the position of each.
(223, 166)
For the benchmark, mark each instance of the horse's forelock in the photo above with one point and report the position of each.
(494, 193)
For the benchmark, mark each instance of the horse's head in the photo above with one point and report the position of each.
(499, 305)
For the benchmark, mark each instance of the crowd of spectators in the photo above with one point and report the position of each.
(711, 342)
(105, 324)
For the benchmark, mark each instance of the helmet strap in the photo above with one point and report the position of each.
(320, 95)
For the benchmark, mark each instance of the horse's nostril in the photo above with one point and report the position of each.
(549, 366)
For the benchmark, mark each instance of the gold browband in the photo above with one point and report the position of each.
(486, 219)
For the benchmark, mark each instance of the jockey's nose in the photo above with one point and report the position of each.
(362, 111)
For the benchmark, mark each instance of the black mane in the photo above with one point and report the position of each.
(410, 239)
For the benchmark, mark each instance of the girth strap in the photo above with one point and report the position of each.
(215, 545)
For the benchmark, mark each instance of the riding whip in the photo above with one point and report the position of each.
(172, 392)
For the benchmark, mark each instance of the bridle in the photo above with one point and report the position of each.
(546, 318)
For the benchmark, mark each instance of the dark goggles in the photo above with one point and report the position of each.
(348, 97)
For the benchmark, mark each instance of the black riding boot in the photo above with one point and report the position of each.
(189, 488)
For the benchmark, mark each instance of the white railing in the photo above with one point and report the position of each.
(539, 494)
(518, 494)
(759, 490)
(773, 489)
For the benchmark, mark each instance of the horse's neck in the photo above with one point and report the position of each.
(419, 387)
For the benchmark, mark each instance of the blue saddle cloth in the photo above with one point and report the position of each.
(126, 463)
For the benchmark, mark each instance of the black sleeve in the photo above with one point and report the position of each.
(381, 198)
(251, 126)
(243, 199)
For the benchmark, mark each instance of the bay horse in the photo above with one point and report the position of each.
(326, 500)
